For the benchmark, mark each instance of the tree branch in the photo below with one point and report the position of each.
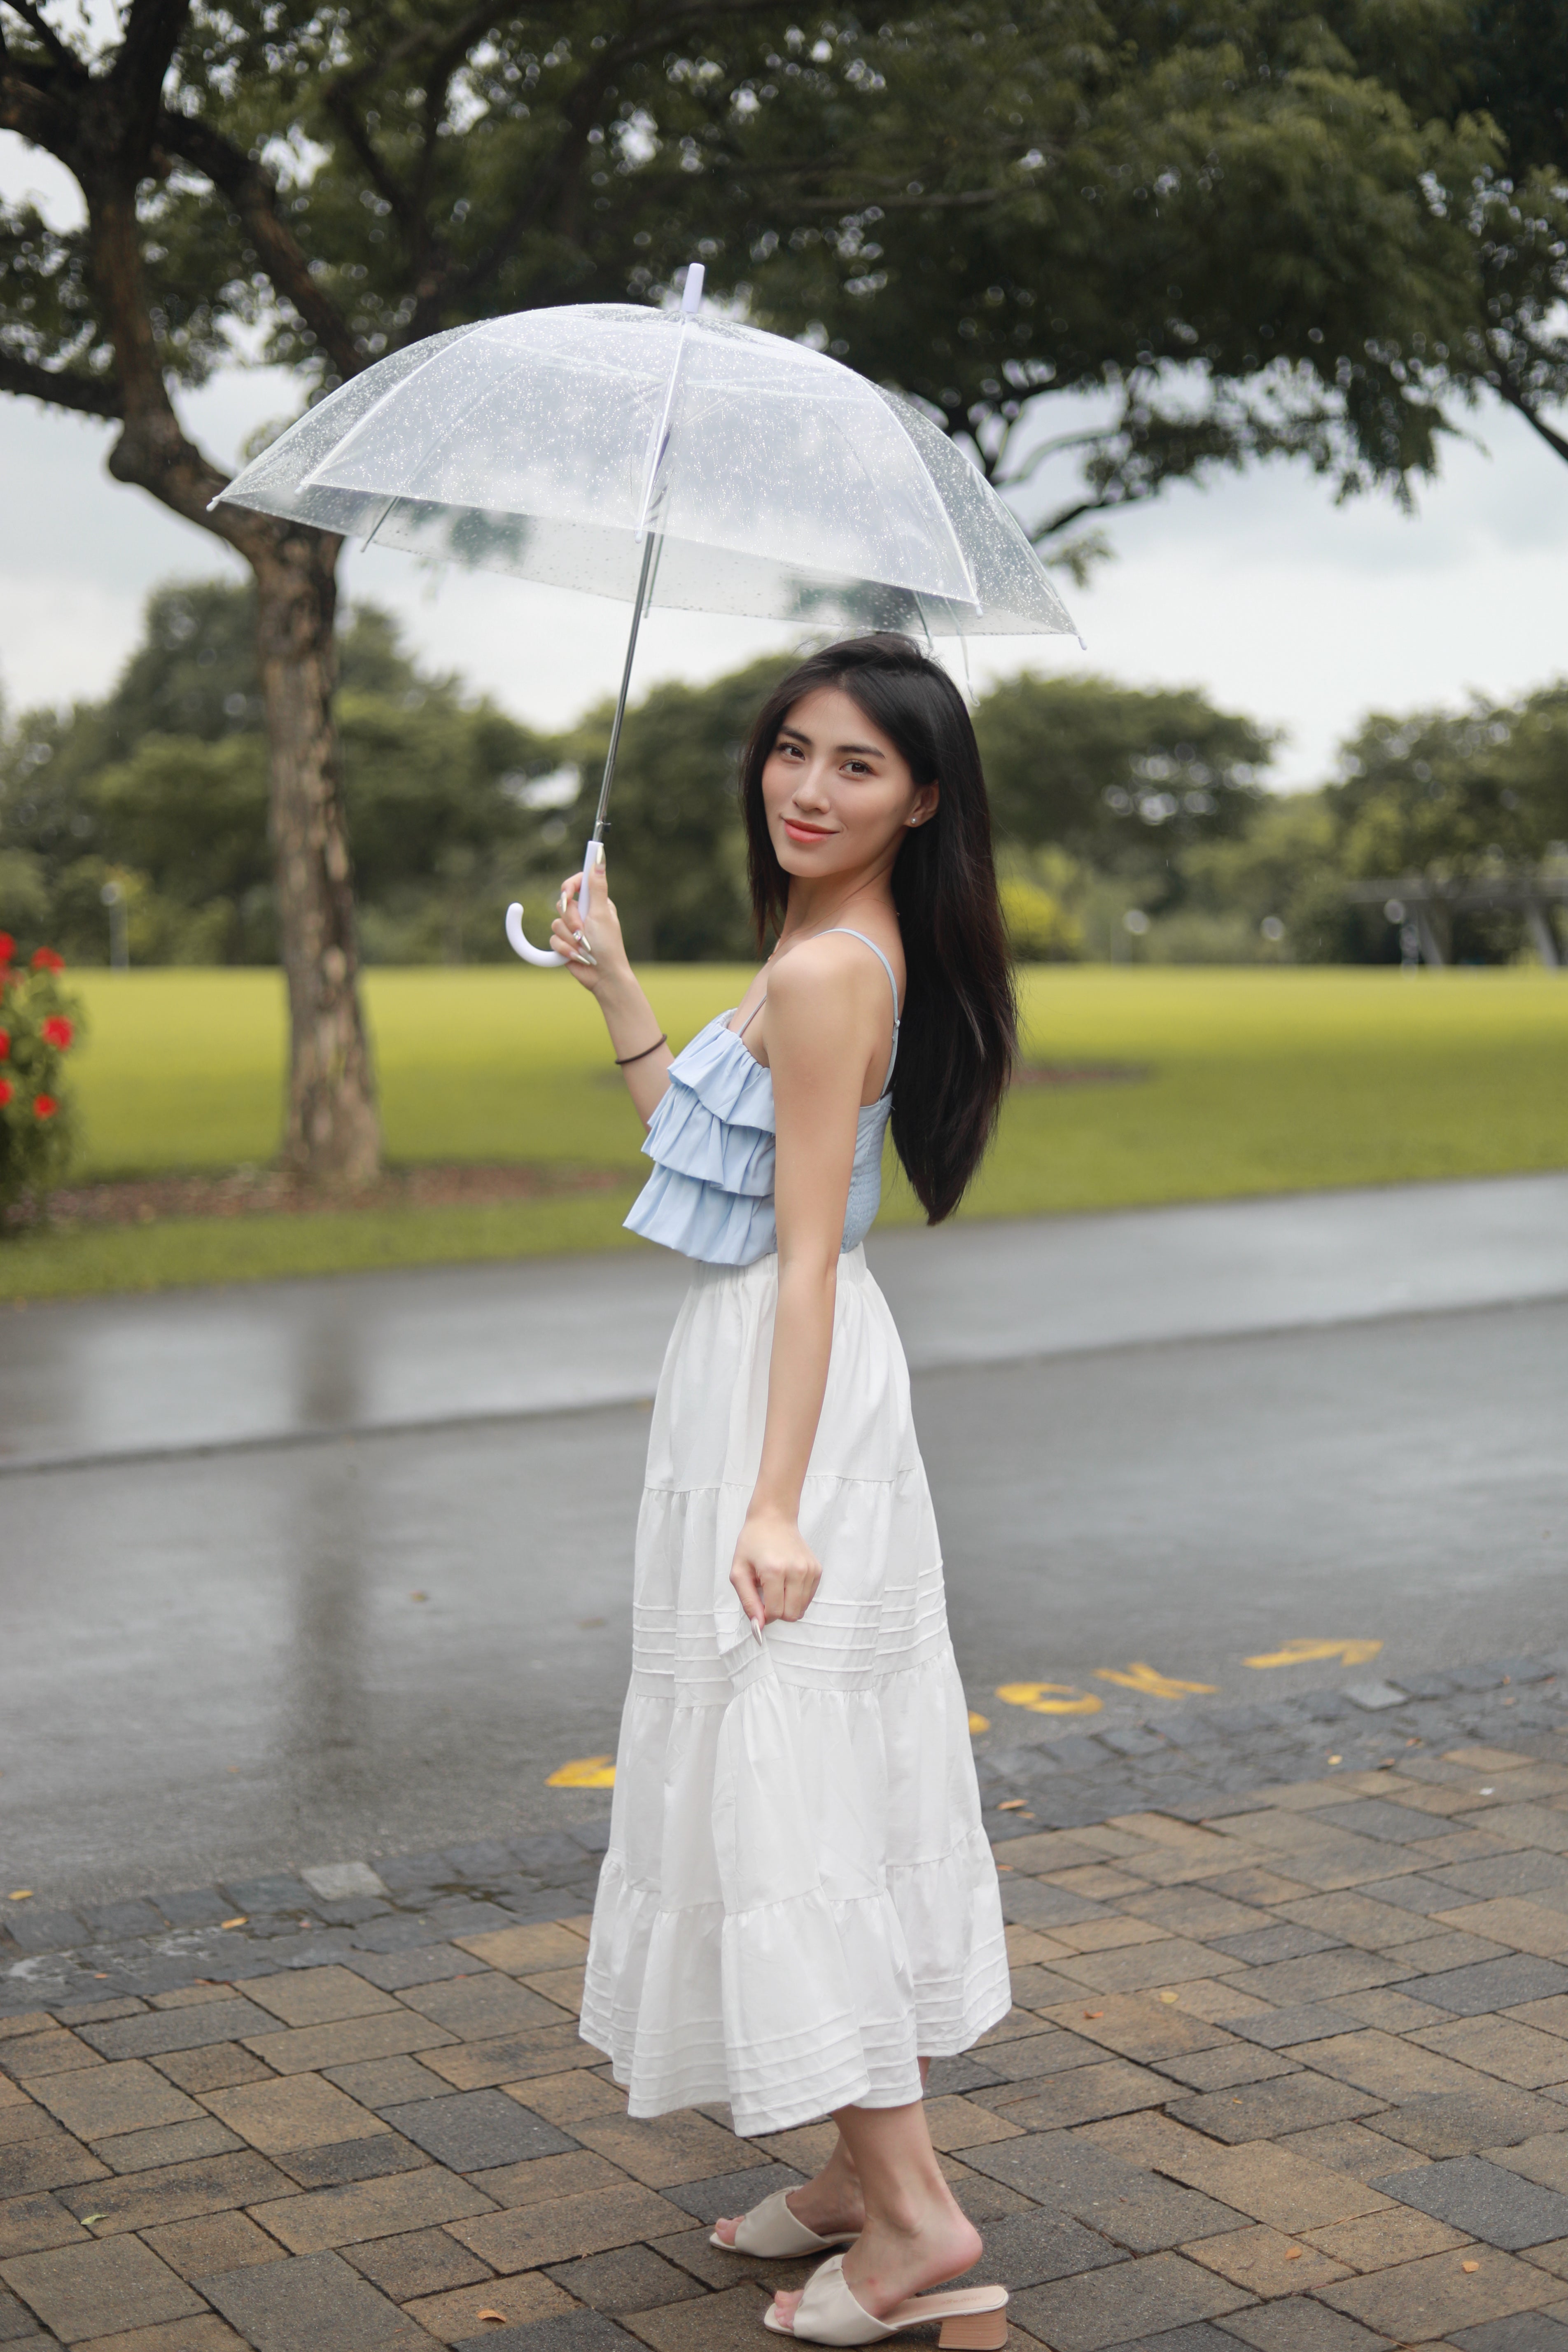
(34, 112)
(89, 395)
(547, 183)
(1105, 504)
(398, 52)
(339, 106)
(1508, 390)
(1030, 465)
(252, 192)
(153, 33)
(46, 33)
(961, 199)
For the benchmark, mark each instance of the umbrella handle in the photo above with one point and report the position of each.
(545, 958)
(524, 946)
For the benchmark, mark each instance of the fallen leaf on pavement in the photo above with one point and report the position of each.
(239, 1921)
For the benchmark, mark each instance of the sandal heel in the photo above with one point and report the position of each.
(977, 2331)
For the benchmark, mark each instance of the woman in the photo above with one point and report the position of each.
(799, 1908)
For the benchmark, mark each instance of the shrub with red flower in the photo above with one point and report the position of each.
(42, 1024)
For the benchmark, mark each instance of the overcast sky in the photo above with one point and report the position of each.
(1260, 590)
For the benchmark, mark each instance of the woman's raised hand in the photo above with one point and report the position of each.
(589, 940)
(775, 1572)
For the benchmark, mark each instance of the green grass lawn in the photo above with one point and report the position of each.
(1260, 1081)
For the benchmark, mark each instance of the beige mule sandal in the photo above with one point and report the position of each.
(972, 2318)
(772, 2230)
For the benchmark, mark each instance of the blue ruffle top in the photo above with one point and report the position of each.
(712, 1141)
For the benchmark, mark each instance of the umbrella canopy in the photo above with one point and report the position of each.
(555, 443)
(660, 456)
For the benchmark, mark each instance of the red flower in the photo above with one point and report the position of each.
(45, 959)
(7, 947)
(4, 1092)
(45, 1105)
(5, 1043)
(58, 1031)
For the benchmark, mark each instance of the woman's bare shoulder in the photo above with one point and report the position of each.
(834, 967)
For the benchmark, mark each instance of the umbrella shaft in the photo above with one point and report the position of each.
(650, 550)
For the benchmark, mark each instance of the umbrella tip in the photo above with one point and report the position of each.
(692, 293)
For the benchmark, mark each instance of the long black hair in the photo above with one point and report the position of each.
(961, 1016)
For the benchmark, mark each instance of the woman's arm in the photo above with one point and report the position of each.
(628, 1017)
(822, 1029)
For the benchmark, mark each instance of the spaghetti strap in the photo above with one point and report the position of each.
(846, 932)
(843, 930)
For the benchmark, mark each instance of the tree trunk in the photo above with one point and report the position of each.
(333, 1135)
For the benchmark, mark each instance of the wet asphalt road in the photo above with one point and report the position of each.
(287, 1653)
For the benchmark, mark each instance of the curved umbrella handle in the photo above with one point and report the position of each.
(524, 947)
(520, 945)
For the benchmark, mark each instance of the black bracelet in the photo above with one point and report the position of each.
(624, 1060)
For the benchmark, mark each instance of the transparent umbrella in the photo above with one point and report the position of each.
(663, 455)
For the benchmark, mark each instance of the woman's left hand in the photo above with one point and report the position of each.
(775, 1572)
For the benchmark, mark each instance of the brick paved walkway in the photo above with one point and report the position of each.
(1288, 2069)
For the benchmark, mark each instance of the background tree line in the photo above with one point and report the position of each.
(1112, 803)
(1251, 229)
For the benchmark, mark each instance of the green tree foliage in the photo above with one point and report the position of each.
(1109, 799)
(1477, 794)
(1511, 58)
(1449, 793)
(1224, 222)
(1251, 228)
(1123, 777)
(163, 788)
(1273, 891)
(1448, 796)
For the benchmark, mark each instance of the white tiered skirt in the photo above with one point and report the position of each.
(799, 1901)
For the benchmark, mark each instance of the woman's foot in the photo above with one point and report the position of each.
(830, 2205)
(894, 2259)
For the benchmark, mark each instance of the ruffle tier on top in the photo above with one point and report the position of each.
(711, 1139)
(799, 1902)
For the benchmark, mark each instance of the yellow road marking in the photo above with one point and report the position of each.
(1069, 1701)
(1299, 1654)
(1140, 1677)
(584, 1773)
(978, 1722)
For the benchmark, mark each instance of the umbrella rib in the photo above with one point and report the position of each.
(660, 440)
(964, 564)
(308, 481)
